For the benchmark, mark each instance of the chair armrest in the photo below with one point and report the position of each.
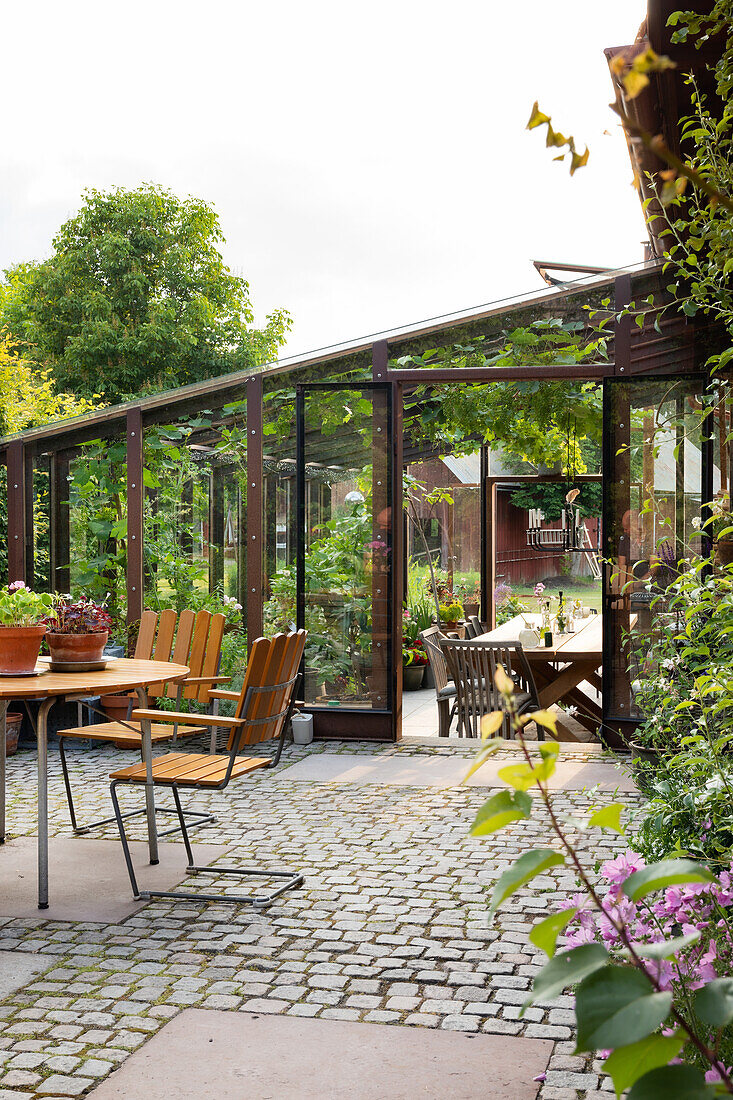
(176, 718)
(234, 696)
(206, 680)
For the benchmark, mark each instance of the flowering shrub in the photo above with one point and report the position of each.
(507, 604)
(413, 653)
(684, 691)
(643, 957)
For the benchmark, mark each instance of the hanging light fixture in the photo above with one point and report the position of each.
(566, 539)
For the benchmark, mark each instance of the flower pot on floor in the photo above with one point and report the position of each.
(302, 725)
(19, 649)
(76, 649)
(412, 677)
(12, 732)
(116, 706)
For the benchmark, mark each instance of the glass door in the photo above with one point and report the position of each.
(344, 558)
(659, 471)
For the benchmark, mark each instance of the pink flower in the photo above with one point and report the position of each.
(16, 585)
(618, 870)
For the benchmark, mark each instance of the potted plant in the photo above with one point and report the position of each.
(22, 626)
(472, 602)
(414, 662)
(77, 631)
(450, 613)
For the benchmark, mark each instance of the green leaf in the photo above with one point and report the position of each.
(608, 817)
(566, 969)
(524, 776)
(522, 871)
(672, 1083)
(625, 1065)
(616, 1006)
(714, 1002)
(544, 934)
(498, 811)
(669, 872)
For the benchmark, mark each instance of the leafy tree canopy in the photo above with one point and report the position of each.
(136, 297)
(28, 397)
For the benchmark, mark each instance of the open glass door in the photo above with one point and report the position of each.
(345, 561)
(658, 472)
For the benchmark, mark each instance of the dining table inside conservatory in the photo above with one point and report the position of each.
(573, 659)
(46, 688)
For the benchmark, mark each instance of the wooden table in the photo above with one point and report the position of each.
(560, 669)
(48, 687)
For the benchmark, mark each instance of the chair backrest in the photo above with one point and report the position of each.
(431, 639)
(267, 692)
(470, 628)
(476, 625)
(198, 637)
(146, 636)
(474, 664)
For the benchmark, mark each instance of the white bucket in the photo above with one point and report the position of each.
(302, 729)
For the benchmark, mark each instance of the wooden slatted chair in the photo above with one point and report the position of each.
(445, 689)
(198, 641)
(263, 709)
(473, 665)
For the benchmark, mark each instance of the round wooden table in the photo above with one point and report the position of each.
(48, 687)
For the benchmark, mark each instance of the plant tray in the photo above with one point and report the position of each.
(77, 666)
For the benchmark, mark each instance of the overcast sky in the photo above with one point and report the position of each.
(369, 163)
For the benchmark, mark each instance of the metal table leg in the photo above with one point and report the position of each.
(42, 736)
(3, 715)
(147, 754)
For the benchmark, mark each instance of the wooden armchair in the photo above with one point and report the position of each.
(262, 713)
(473, 665)
(198, 639)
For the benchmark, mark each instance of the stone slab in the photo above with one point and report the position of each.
(245, 1056)
(446, 771)
(87, 878)
(18, 968)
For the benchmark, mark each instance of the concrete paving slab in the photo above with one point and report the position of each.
(244, 1056)
(446, 771)
(88, 878)
(18, 968)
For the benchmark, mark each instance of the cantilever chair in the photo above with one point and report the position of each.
(445, 691)
(262, 712)
(198, 639)
(473, 665)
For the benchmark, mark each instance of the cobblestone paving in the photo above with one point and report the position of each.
(390, 926)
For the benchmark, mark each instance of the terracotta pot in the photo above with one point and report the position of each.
(115, 707)
(470, 608)
(77, 648)
(12, 732)
(19, 648)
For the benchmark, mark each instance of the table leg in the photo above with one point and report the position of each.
(42, 738)
(3, 714)
(147, 753)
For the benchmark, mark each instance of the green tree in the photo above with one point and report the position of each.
(136, 297)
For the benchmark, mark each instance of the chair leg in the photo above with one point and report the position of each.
(257, 901)
(123, 840)
(444, 718)
(199, 817)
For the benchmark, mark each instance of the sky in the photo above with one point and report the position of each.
(369, 163)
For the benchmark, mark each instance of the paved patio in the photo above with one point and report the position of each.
(390, 927)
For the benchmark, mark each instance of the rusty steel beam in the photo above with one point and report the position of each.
(135, 498)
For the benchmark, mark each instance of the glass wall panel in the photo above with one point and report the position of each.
(656, 458)
(346, 544)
